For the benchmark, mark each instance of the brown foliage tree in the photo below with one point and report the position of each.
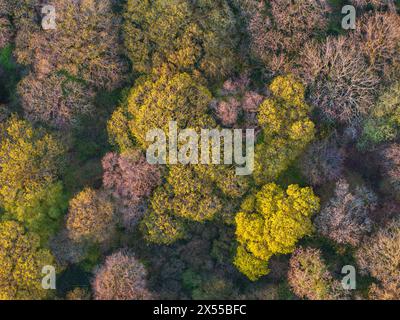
(279, 29)
(379, 35)
(388, 291)
(238, 100)
(78, 294)
(6, 31)
(375, 3)
(228, 111)
(129, 176)
(85, 43)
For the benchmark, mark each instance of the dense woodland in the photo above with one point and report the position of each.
(76, 191)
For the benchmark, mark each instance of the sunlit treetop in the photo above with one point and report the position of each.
(21, 263)
(197, 36)
(271, 222)
(30, 160)
(287, 128)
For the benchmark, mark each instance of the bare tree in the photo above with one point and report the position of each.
(342, 84)
(380, 257)
(55, 100)
(379, 36)
(310, 278)
(130, 179)
(122, 277)
(345, 219)
(279, 32)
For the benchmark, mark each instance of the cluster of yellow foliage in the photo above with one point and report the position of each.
(271, 222)
(90, 216)
(29, 163)
(159, 225)
(195, 192)
(21, 263)
(153, 104)
(287, 129)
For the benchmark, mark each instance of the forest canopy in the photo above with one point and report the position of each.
(312, 102)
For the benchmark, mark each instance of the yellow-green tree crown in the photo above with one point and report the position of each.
(271, 222)
(30, 160)
(187, 36)
(196, 192)
(21, 263)
(287, 129)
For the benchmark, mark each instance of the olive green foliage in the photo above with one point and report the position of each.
(159, 225)
(383, 124)
(21, 263)
(198, 36)
(153, 104)
(30, 160)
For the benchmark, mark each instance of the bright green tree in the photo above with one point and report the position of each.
(271, 222)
